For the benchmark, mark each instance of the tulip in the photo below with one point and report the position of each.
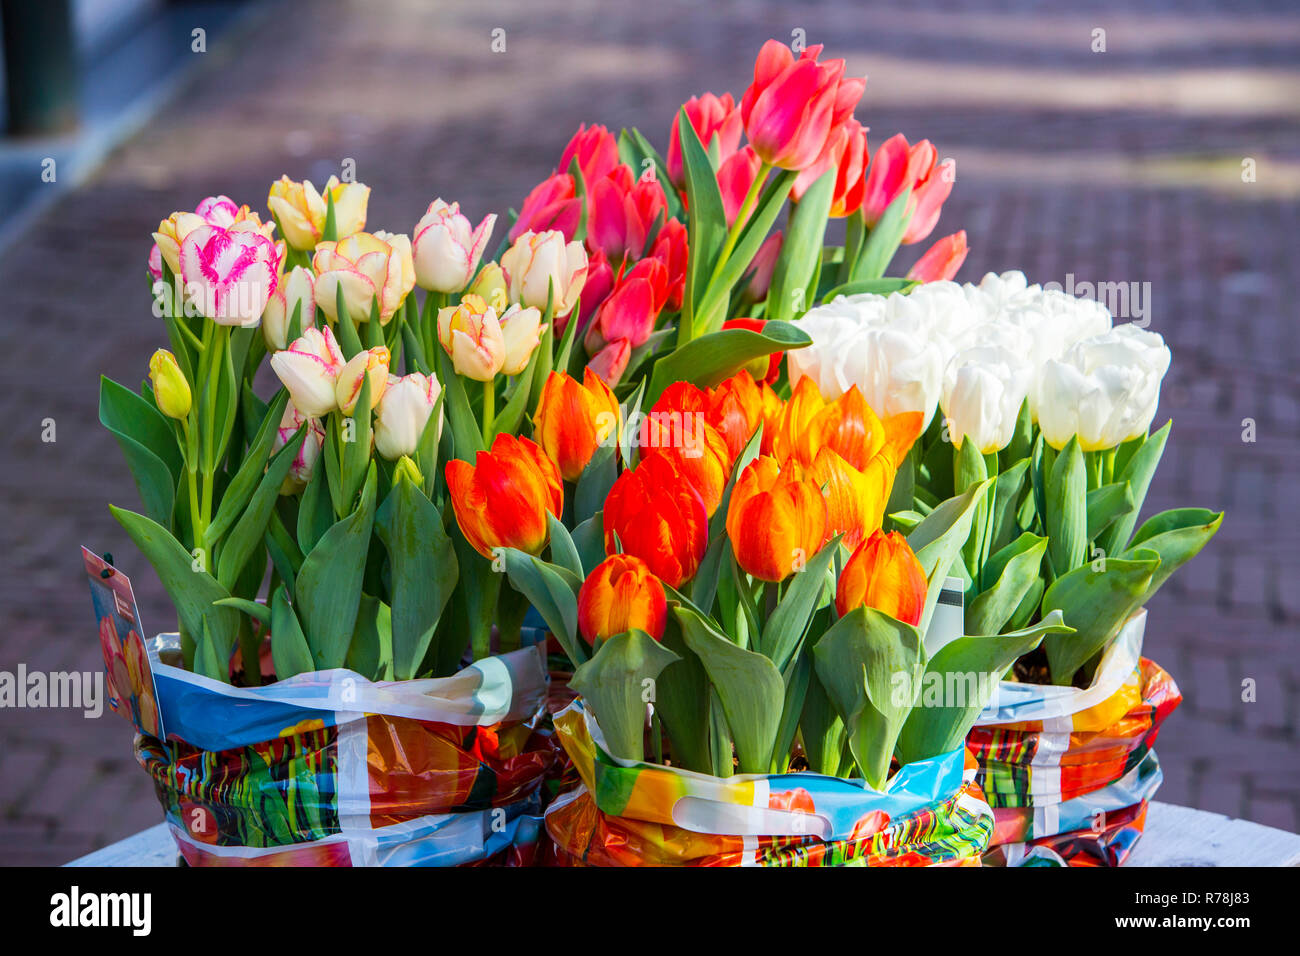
(850, 170)
(446, 249)
(490, 285)
(888, 175)
(983, 390)
(623, 213)
(884, 574)
(773, 411)
(942, 260)
(855, 499)
(631, 310)
(369, 267)
(229, 274)
(373, 364)
(471, 334)
(171, 391)
(895, 168)
(794, 105)
(765, 368)
(542, 266)
(656, 515)
(611, 362)
(553, 204)
(930, 189)
(595, 149)
(776, 520)
(297, 290)
(735, 179)
(621, 594)
(1105, 389)
(501, 501)
(171, 233)
(713, 118)
(599, 284)
(155, 262)
(735, 409)
(670, 248)
(574, 419)
(403, 413)
(521, 330)
(304, 463)
(301, 211)
(677, 428)
(309, 369)
(218, 211)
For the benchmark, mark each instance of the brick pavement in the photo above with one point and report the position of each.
(417, 98)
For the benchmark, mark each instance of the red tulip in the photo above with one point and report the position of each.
(884, 574)
(620, 594)
(897, 167)
(670, 248)
(630, 311)
(623, 213)
(793, 104)
(596, 151)
(655, 513)
(681, 427)
(573, 419)
(735, 409)
(931, 187)
(942, 260)
(502, 499)
(552, 204)
(711, 117)
(600, 282)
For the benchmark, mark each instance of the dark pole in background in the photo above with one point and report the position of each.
(40, 66)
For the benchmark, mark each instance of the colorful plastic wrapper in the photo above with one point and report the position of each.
(332, 769)
(1069, 771)
(628, 813)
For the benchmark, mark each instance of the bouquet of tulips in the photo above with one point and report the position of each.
(1044, 423)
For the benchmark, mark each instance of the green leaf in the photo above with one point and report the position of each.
(871, 665)
(147, 443)
(883, 239)
(595, 481)
(237, 494)
(356, 453)
(553, 591)
(290, 654)
(870, 287)
(711, 358)
(424, 571)
(1006, 495)
(251, 526)
(1067, 510)
(328, 588)
(1138, 472)
(1017, 566)
(460, 416)
(507, 420)
(1177, 536)
(1096, 603)
(958, 683)
(682, 701)
(801, 250)
(821, 729)
(748, 685)
(254, 609)
(784, 632)
(589, 540)
(315, 512)
(706, 222)
(370, 651)
(1106, 505)
(797, 677)
(613, 684)
(938, 539)
(192, 591)
(563, 551)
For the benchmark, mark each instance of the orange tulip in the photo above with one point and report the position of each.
(502, 499)
(776, 520)
(679, 427)
(855, 500)
(574, 419)
(846, 425)
(942, 260)
(658, 516)
(619, 595)
(883, 573)
(773, 408)
(735, 410)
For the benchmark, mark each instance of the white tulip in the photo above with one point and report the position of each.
(1105, 389)
(309, 369)
(403, 413)
(983, 390)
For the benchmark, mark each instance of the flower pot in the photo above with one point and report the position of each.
(331, 769)
(639, 814)
(1068, 771)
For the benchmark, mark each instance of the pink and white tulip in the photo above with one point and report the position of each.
(304, 463)
(538, 263)
(229, 274)
(309, 369)
(297, 290)
(472, 336)
(368, 267)
(446, 248)
(373, 364)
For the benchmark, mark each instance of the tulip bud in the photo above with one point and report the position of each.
(294, 291)
(472, 336)
(170, 389)
(884, 574)
(542, 265)
(304, 463)
(620, 594)
(776, 519)
(309, 369)
(403, 413)
(490, 286)
(409, 470)
(522, 331)
(372, 363)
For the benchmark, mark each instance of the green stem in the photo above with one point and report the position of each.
(1108, 465)
(489, 409)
